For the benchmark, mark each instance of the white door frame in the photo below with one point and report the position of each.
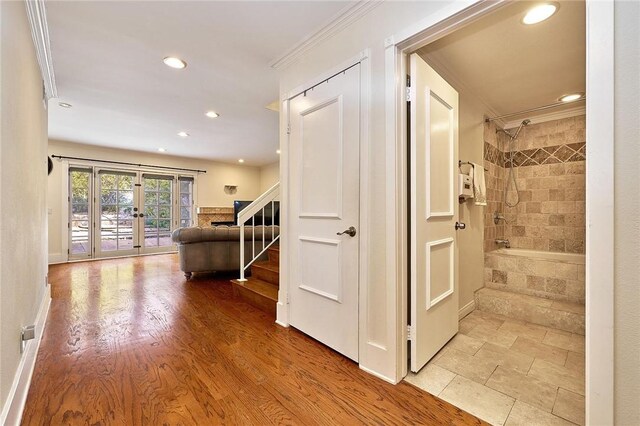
(599, 185)
(282, 316)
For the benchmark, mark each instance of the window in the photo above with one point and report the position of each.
(186, 201)
(80, 211)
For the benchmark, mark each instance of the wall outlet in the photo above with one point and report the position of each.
(28, 333)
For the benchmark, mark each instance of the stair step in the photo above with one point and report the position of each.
(567, 316)
(274, 254)
(266, 271)
(258, 293)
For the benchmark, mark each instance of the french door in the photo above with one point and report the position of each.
(124, 212)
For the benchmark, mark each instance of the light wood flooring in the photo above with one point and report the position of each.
(129, 342)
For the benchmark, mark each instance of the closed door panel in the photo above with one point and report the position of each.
(324, 156)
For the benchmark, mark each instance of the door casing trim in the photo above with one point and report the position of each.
(282, 314)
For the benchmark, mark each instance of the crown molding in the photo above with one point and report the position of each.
(341, 20)
(40, 34)
(549, 116)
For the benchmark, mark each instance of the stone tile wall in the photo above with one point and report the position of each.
(493, 163)
(548, 278)
(549, 166)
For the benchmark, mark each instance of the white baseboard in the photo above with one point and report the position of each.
(467, 309)
(14, 405)
(282, 315)
(378, 375)
(57, 258)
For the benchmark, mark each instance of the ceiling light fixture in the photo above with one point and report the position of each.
(241, 161)
(539, 13)
(571, 97)
(212, 114)
(183, 134)
(174, 62)
(65, 105)
(162, 149)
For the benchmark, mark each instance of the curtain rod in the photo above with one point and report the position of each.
(128, 164)
(541, 108)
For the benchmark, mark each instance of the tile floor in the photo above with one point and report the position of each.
(509, 372)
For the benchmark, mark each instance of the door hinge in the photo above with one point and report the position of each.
(68, 252)
(409, 94)
(68, 225)
(409, 333)
(288, 129)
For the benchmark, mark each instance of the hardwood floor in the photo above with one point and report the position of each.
(128, 341)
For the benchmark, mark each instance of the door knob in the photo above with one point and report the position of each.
(460, 225)
(350, 232)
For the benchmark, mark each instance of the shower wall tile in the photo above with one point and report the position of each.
(549, 167)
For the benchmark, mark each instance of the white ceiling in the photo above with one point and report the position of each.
(108, 55)
(512, 67)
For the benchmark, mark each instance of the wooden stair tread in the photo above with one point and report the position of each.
(263, 288)
(265, 264)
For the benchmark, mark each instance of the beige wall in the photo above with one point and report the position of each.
(23, 159)
(627, 219)
(470, 241)
(269, 175)
(209, 186)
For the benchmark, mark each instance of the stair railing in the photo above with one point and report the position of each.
(248, 214)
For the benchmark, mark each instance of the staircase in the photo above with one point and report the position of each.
(261, 288)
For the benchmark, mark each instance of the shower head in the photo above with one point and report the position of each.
(513, 136)
(524, 123)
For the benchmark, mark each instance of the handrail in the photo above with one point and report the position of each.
(249, 213)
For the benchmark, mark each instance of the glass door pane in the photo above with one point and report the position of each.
(185, 188)
(80, 185)
(158, 212)
(117, 229)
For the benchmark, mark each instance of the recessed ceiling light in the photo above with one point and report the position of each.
(65, 105)
(162, 149)
(183, 134)
(539, 13)
(174, 62)
(212, 114)
(571, 97)
(241, 161)
(278, 151)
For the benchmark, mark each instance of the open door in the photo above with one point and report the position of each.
(434, 210)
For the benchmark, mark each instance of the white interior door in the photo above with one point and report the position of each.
(434, 210)
(324, 176)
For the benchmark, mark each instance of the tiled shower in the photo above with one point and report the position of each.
(541, 277)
